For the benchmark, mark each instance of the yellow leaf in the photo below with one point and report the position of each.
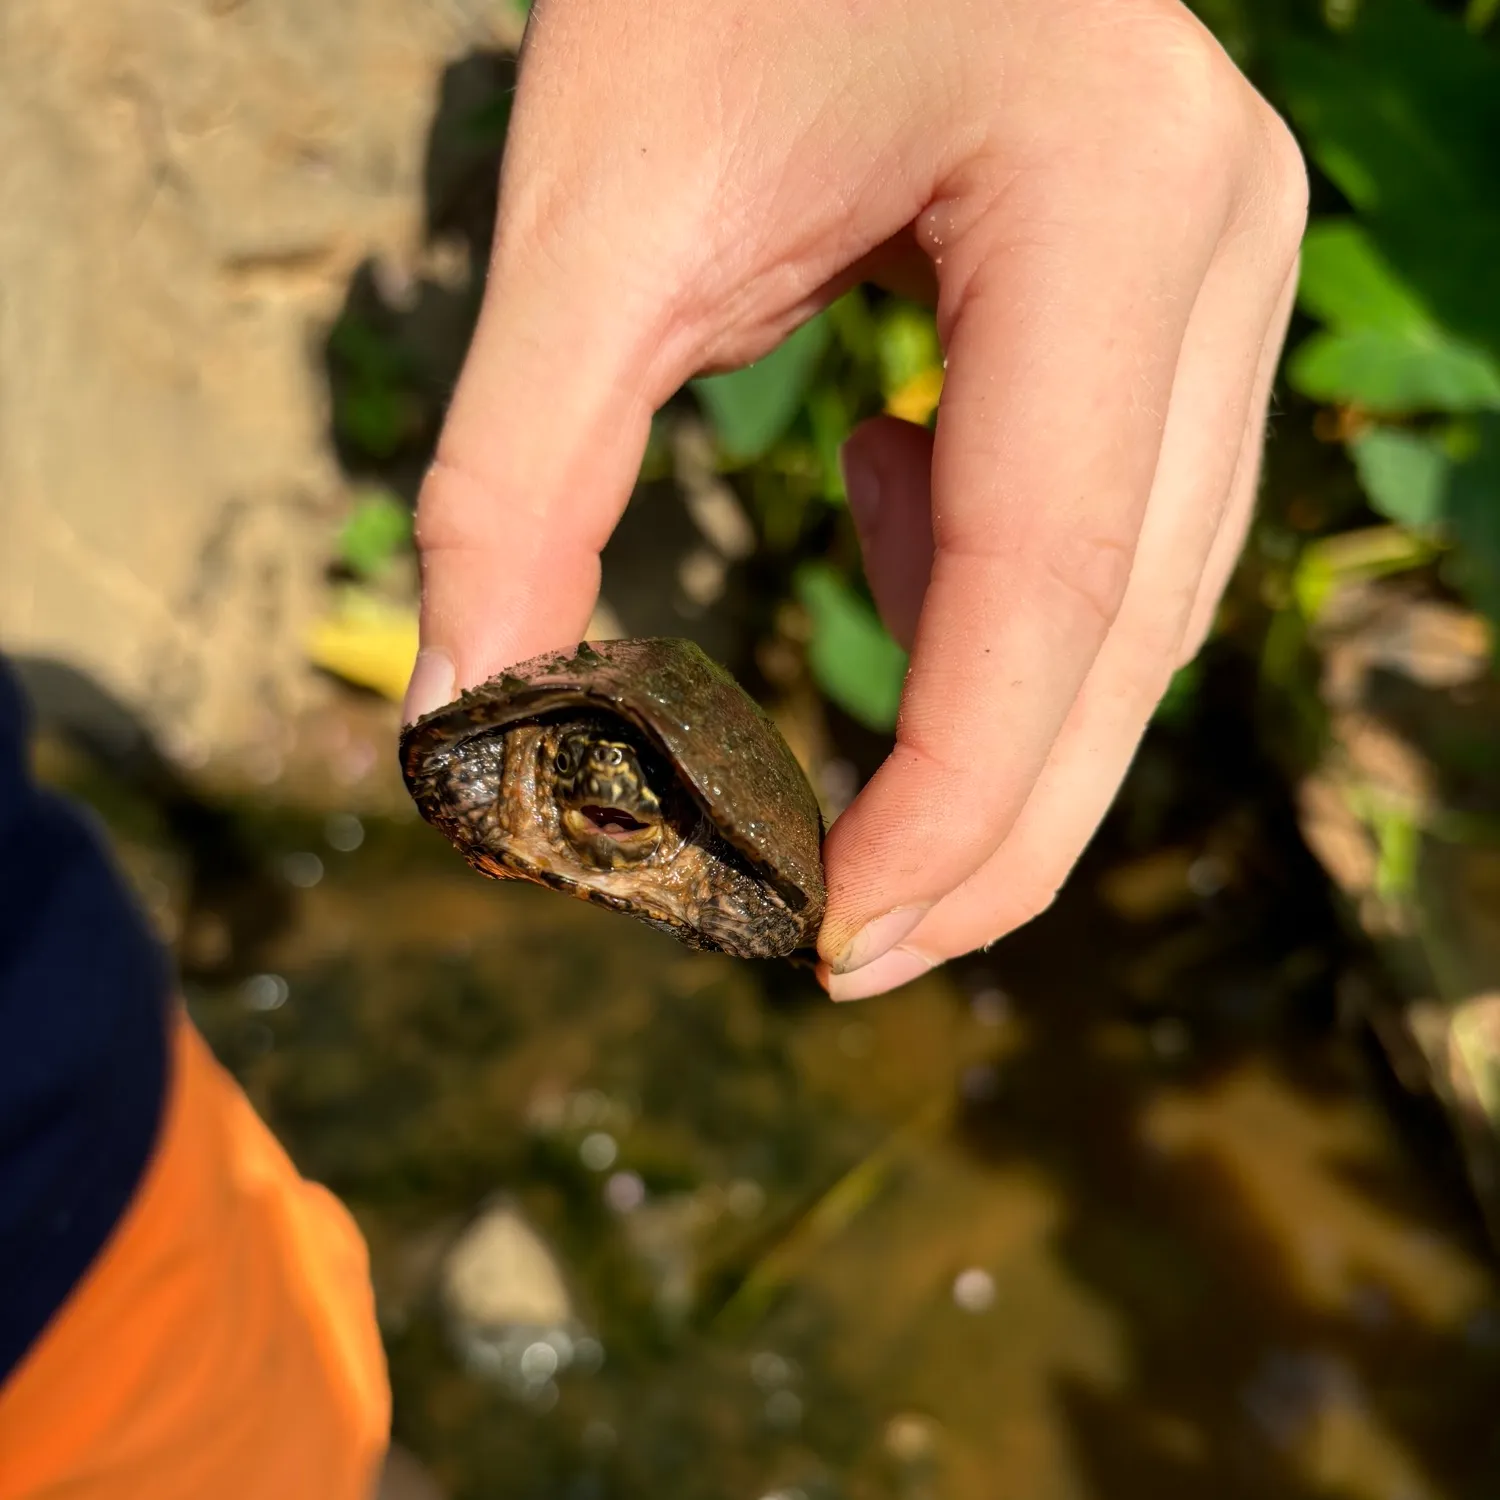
(917, 398)
(367, 642)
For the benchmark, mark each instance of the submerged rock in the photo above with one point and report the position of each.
(510, 1316)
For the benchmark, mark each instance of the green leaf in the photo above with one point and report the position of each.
(1386, 351)
(1395, 373)
(908, 345)
(1445, 488)
(1402, 112)
(853, 659)
(1473, 511)
(1405, 474)
(1403, 108)
(1375, 552)
(1347, 283)
(1451, 262)
(1399, 842)
(751, 408)
(379, 527)
(831, 420)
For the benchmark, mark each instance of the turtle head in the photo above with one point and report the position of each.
(607, 808)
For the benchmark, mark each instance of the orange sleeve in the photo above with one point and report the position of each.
(224, 1342)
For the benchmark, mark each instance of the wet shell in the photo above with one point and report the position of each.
(717, 835)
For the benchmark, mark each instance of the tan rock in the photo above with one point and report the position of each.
(189, 188)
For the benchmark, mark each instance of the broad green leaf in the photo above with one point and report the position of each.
(1451, 262)
(1444, 487)
(1405, 474)
(853, 659)
(1347, 283)
(1402, 111)
(1385, 352)
(378, 527)
(1396, 372)
(1402, 108)
(751, 408)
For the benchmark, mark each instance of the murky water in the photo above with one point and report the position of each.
(1114, 1213)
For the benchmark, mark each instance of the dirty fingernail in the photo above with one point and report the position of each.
(888, 972)
(431, 685)
(878, 937)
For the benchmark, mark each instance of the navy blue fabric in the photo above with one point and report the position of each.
(84, 995)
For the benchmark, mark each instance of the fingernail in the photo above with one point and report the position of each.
(431, 685)
(878, 937)
(888, 972)
(861, 487)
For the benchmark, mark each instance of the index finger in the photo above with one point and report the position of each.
(1064, 307)
(536, 462)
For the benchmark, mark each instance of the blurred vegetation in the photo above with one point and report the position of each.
(1394, 358)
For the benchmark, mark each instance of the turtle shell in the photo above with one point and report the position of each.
(739, 869)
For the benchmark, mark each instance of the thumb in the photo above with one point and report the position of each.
(536, 460)
(571, 354)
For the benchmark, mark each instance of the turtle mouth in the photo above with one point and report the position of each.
(607, 837)
(613, 822)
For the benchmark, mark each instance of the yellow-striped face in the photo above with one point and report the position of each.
(608, 810)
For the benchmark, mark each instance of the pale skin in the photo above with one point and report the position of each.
(1108, 217)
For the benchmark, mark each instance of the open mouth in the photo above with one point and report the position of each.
(613, 821)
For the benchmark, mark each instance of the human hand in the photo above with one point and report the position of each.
(1111, 217)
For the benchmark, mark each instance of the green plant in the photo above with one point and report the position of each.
(1400, 111)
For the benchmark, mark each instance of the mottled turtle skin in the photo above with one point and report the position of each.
(636, 774)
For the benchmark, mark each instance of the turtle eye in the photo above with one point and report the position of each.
(562, 762)
(610, 755)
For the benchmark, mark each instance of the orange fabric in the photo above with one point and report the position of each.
(223, 1346)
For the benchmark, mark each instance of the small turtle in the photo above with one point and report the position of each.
(636, 774)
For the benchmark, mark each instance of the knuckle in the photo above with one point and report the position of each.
(457, 508)
(1192, 88)
(1094, 571)
(1286, 182)
(1191, 108)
